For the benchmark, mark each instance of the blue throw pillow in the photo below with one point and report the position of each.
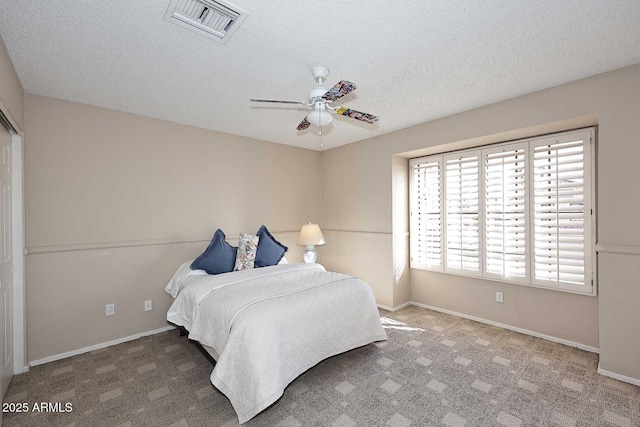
(270, 251)
(220, 257)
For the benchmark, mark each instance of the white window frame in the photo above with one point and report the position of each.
(588, 136)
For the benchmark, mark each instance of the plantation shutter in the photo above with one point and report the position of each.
(561, 211)
(426, 213)
(519, 212)
(506, 212)
(462, 193)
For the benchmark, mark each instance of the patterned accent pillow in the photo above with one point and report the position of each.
(247, 248)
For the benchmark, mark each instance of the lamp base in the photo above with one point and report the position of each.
(310, 255)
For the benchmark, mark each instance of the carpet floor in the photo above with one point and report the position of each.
(435, 370)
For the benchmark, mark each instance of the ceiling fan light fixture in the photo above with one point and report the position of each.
(321, 118)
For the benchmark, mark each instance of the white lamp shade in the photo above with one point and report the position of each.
(319, 118)
(311, 235)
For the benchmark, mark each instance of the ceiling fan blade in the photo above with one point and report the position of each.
(358, 115)
(341, 88)
(304, 124)
(278, 101)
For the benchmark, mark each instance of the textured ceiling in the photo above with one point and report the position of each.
(413, 61)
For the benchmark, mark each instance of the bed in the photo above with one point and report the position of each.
(266, 326)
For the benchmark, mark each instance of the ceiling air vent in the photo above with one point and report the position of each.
(215, 19)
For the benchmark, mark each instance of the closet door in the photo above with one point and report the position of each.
(6, 263)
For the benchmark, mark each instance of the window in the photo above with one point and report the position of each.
(519, 212)
(462, 195)
(505, 212)
(426, 208)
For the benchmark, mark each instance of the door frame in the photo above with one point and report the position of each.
(20, 364)
(17, 207)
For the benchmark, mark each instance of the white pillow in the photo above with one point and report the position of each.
(173, 287)
(283, 261)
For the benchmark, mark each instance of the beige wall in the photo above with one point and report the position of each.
(620, 322)
(358, 198)
(67, 292)
(358, 243)
(400, 231)
(556, 314)
(11, 93)
(365, 255)
(116, 202)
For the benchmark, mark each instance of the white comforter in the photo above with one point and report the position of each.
(271, 324)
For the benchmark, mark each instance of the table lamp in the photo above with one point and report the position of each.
(310, 236)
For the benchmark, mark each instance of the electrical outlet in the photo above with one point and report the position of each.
(110, 309)
(148, 305)
(499, 297)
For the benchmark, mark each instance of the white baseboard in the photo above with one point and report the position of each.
(511, 328)
(401, 306)
(618, 377)
(96, 347)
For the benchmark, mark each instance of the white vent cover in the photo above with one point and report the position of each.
(215, 19)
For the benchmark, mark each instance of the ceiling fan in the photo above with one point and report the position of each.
(321, 97)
